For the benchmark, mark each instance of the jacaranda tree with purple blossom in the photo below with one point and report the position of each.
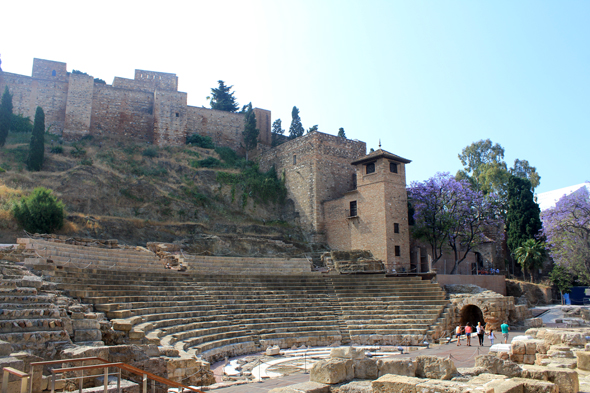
(567, 228)
(449, 214)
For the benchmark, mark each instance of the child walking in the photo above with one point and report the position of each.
(458, 331)
(491, 337)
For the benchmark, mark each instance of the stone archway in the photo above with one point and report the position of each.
(472, 314)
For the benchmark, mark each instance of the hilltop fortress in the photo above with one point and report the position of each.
(343, 197)
(148, 108)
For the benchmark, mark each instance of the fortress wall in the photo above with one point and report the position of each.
(28, 93)
(317, 168)
(225, 128)
(170, 117)
(127, 113)
(50, 70)
(132, 84)
(158, 80)
(79, 105)
(263, 123)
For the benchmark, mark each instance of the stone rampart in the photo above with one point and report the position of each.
(317, 168)
(149, 107)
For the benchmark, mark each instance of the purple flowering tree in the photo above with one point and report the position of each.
(450, 215)
(567, 228)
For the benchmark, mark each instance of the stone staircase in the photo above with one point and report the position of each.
(41, 252)
(30, 319)
(213, 316)
(251, 266)
(387, 310)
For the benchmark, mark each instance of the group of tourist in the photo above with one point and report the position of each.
(481, 333)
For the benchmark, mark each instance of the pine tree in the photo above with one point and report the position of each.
(222, 99)
(296, 129)
(37, 146)
(250, 133)
(5, 115)
(312, 129)
(341, 133)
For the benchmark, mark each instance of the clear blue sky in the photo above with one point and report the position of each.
(426, 77)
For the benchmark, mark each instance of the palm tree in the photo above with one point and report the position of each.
(530, 255)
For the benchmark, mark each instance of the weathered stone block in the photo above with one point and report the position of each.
(435, 367)
(395, 384)
(496, 365)
(366, 369)
(404, 367)
(565, 379)
(347, 353)
(5, 348)
(534, 386)
(87, 335)
(583, 360)
(121, 324)
(332, 371)
(357, 387)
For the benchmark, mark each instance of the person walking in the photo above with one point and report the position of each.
(505, 328)
(458, 331)
(492, 336)
(468, 331)
(480, 333)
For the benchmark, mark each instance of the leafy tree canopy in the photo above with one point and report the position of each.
(561, 278)
(277, 132)
(222, 98)
(449, 214)
(41, 212)
(341, 133)
(296, 129)
(567, 229)
(312, 129)
(485, 169)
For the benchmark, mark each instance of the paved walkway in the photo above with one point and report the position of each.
(463, 356)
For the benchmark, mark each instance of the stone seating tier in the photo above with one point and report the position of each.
(213, 316)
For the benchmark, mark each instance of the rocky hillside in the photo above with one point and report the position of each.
(208, 199)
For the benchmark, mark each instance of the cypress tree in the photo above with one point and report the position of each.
(250, 133)
(296, 129)
(523, 220)
(5, 115)
(37, 146)
(341, 133)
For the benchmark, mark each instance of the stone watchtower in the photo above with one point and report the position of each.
(374, 215)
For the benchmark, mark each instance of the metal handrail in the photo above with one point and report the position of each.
(105, 365)
(23, 376)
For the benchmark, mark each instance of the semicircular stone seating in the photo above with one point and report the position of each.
(217, 315)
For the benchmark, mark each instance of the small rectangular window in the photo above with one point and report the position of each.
(294, 159)
(370, 168)
(397, 251)
(353, 211)
(177, 114)
(396, 228)
(393, 167)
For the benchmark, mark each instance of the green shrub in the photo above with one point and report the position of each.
(19, 123)
(201, 141)
(41, 212)
(150, 152)
(57, 150)
(78, 152)
(263, 187)
(209, 162)
(86, 161)
(230, 157)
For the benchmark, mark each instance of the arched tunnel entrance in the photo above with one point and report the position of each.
(471, 314)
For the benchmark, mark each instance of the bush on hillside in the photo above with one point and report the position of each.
(20, 123)
(201, 141)
(40, 212)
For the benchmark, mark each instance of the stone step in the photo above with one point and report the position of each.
(32, 340)
(403, 332)
(284, 316)
(267, 325)
(30, 325)
(137, 299)
(195, 304)
(204, 343)
(14, 311)
(118, 314)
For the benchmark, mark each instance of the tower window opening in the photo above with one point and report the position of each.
(177, 114)
(392, 167)
(53, 73)
(353, 210)
(294, 159)
(370, 168)
(397, 251)
(396, 228)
